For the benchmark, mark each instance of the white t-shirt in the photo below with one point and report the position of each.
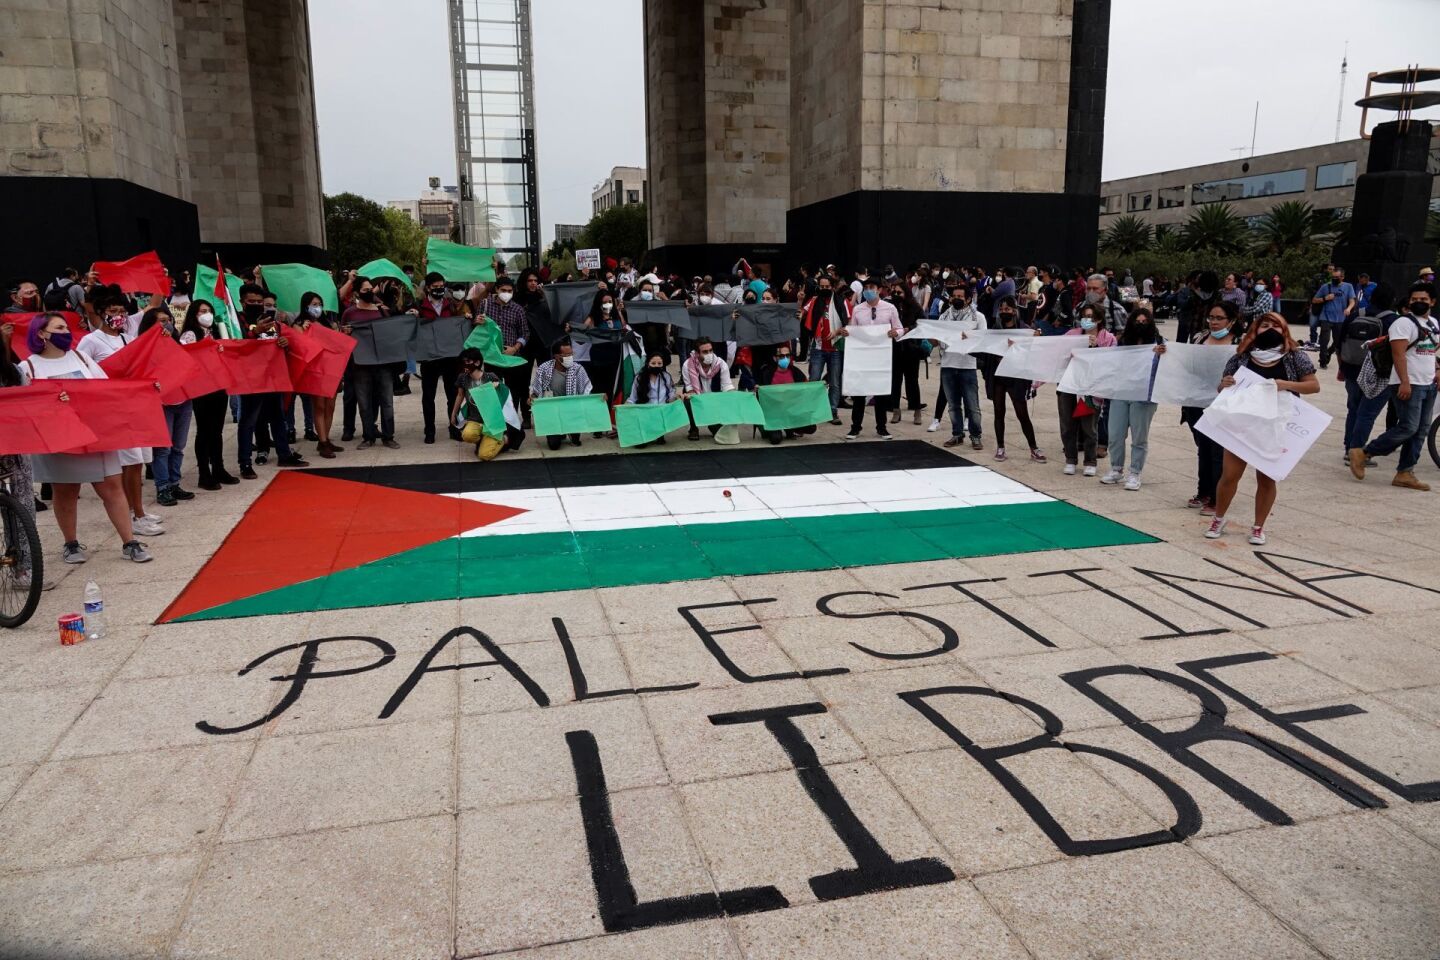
(1420, 350)
(98, 344)
(69, 367)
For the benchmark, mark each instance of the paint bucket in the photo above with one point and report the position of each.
(72, 629)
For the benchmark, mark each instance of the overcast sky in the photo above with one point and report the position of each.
(1184, 78)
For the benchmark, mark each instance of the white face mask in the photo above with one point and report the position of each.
(646, 295)
(458, 294)
(606, 307)
(945, 275)
(567, 362)
(707, 358)
(315, 310)
(705, 301)
(1266, 357)
(205, 320)
(505, 297)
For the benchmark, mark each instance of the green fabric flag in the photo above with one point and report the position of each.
(376, 269)
(492, 409)
(643, 422)
(732, 406)
(486, 338)
(561, 415)
(228, 322)
(789, 406)
(457, 262)
(291, 281)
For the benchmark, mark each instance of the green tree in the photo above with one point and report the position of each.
(618, 232)
(487, 226)
(1215, 227)
(356, 230)
(1167, 241)
(1293, 225)
(404, 239)
(1128, 234)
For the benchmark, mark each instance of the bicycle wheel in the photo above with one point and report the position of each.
(22, 565)
(1434, 451)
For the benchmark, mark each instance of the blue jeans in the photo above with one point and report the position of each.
(1409, 433)
(168, 460)
(830, 362)
(1360, 413)
(962, 396)
(254, 409)
(307, 404)
(1134, 416)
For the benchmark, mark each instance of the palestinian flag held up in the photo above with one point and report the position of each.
(373, 536)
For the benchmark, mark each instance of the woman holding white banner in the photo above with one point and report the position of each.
(1269, 351)
(1132, 416)
(1077, 417)
(1219, 331)
(998, 388)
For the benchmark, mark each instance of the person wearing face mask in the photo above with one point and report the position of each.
(1269, 351)
(1221, 322)
(319, 412)
(262, 410)
(1000, 389)
(1355, 334)
(703, 372)
(1413, 338)
(654, 336)
(373, 384)
(1336, 302)
(820, 316)
(607, 321)
(1081, 431)
(653, 385)
(208, 409)
(872, 312)
(1109, 312)
(168, 461)
(24, 298)
(432, 309)
(783, 368)
(52, 358)
(560, 376)
(1132, 416)
(959, 379)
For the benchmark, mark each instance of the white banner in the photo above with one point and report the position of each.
(1114, 373)
(1189, 374)
(1039, 358)
(955, 337)
(1271, 446)
(868, 352)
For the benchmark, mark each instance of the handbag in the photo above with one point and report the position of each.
(1082, 409)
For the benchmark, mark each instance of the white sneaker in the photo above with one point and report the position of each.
(1257, 536)
(1089, 471)
(145, 527)
(1217, 528)
(152, 518)
(1069, 469)
(934, 425)
(1132, 482)
(1113, 476)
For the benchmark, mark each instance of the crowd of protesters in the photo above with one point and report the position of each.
(1239, 313)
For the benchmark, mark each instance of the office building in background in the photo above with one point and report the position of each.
(624, 186)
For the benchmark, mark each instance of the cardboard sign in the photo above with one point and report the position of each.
(587, 259)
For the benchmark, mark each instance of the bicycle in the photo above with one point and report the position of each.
(1434, 449)
(22, 564)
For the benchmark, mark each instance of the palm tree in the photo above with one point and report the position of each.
(1167, 240)
(1293, 225)
(1127, 235)
(487, 226)
(1216, 228)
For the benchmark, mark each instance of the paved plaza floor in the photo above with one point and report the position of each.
(1175, 748)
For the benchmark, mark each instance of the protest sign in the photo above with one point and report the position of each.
(212, 373)
(640, 312)
(486, 338)
(868, 358)
(255, 366)
(118, 413)
(142, 273)
(1189, 374)
(587, 259)
(730, 407)
(1115, 373)
(457, 262)
(492, 409)
(320, 373)
(41, 423)
(639, 423)
(384, 340)
(789, 406)
(291, 281)
(1295, 429)
(439, 338)
(376, 269)
(560, 415)
(766, 324)
(1038, 358)
(155, 358)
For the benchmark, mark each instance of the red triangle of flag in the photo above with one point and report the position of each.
(306, 526)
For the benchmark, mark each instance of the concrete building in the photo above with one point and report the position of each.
(568, 231)
(437, 209)
(1322, 176)
(175, 125)
(873, 131)
(624, 186)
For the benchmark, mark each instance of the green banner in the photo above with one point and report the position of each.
(732, 406)
(789, 406)
(205, 278)
(486, 338)
(291, 281)
(561, 415)
(456, 262)
(492, 409)
(643, 422)
(376, 269)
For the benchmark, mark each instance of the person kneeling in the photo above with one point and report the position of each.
(466, 415)
(783, 370)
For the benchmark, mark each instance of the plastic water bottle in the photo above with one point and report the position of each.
(94, 611)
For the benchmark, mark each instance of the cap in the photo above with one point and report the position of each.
(1427, 271)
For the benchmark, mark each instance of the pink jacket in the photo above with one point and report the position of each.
(1103, 338)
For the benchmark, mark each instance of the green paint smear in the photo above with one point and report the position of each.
(548, 562)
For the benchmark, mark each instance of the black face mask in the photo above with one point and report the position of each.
(1419, 308)
(437, 292)
(1006, 317)
(368, 296)
(254, 311)
(1271, 339)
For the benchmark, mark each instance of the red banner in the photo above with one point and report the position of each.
(120, 413)
(320, 375)
(142, 273)
(256, 366)
(154, 357)
(214, 374)
(21, 323)
(40, 423)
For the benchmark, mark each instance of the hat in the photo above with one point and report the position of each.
(649, 278)
(1427, 271)
(610, 263)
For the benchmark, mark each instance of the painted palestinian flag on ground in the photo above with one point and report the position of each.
(358, 537)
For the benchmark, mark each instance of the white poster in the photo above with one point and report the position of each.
(868, 354)
(1302, 427)
(1114, 373)
(587, 259)
(1043, 359)
(994, 341)
(954, 337)
(1189, 374)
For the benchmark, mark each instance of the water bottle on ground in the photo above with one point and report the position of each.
(94, 611)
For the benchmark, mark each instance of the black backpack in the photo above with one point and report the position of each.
(1358, 332)
(57, 297)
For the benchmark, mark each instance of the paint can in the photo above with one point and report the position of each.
(72, 629)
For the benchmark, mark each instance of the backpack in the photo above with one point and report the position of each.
(1379, 362)
(1359, 331)
(57, 297)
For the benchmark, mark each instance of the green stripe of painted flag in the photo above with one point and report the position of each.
(643, 422)
(457, 262)
(732, 406)
(291, 281)
(561, 415)
(376, 269)
(486, 338)
(492, 409)
(789, 406)
(544, 562)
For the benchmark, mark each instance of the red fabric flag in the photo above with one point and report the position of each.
(120, 413)
(21, 322)
(156, 358)
(257, 366)
(214, 374)
(320, 375)
(142, 273)
(40, 423)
